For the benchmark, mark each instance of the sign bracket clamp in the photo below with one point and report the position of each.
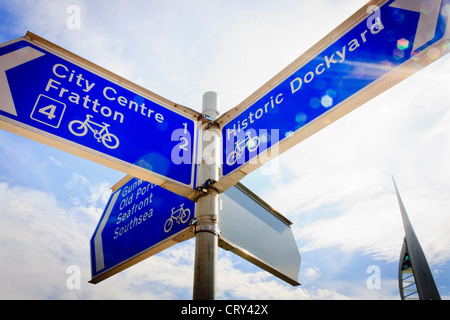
(205, 188)
(214, 229)
(204, 118)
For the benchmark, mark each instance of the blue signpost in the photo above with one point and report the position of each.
(365, 56)
(62, 98)
(140, 220)
(50, 95)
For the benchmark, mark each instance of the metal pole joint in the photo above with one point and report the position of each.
(205, 224)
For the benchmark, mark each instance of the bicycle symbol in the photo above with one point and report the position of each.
(80, 128)
(249, 142)
(180, 215)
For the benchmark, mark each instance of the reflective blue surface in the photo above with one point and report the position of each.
(370, 50)
(137, 217)
(67, 101)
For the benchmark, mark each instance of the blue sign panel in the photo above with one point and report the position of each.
(60, 98)
(398, 31)
(138, 217)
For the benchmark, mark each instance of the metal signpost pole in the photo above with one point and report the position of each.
(207, 210)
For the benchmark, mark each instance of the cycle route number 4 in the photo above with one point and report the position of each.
(48, 111)
(82, 109)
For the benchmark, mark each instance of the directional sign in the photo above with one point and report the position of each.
(253, 230)
(140, 220)
(382, 44)
(55, 97)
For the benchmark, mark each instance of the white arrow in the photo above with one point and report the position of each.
(9, 61)
(98, 242)
(427, 21)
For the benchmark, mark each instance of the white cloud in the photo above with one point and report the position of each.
(312, 273)
(187, 48)
(372, 227)
(39, 241)
(55, 161)
(95, 194)
(340, 178)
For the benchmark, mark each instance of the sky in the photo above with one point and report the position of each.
(336, 186)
